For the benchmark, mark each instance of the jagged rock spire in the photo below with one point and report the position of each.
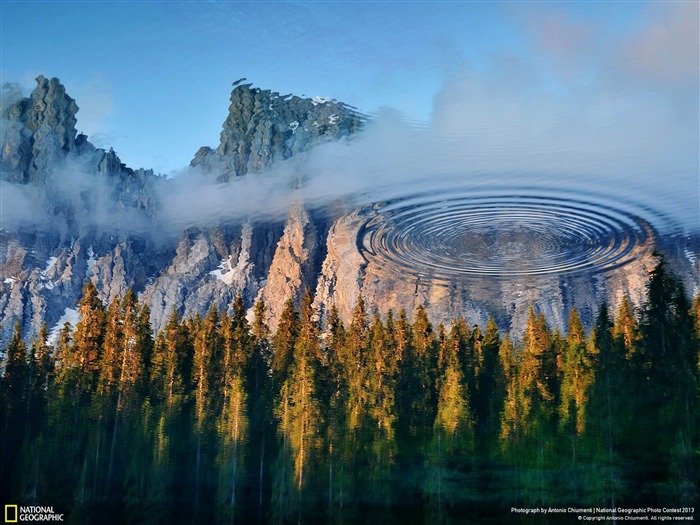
(40, 132)
(264, 127)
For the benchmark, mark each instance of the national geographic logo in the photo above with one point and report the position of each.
(19, 514)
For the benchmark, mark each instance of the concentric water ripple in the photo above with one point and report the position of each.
(445, 237)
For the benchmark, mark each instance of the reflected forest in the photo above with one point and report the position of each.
(385, 419)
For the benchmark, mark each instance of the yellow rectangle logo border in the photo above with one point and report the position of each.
(7, 518)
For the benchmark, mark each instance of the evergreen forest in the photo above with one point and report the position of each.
(384, 419)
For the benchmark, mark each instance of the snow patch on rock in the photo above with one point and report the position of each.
(222, 270)
(70, 315)
(90, 262)
(49, 266)
(236, 274)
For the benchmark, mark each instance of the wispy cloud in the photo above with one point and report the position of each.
(589, 110)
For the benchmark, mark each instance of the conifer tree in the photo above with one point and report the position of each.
(517, 405)
(577, 372)
(454, 421)
(353, 359)
(576, 367)
(121, 381)
(626, 331)
(230, 355)
(261, 358)
(453, 428)
(333, 394)
(670, 380)
(538, 368)
(490, 384)
(335, 338)
(135, 349)
(110, 356)
(351, 431)
(241, 343)
(145, 342)
(41, 365)
(14, 394)
(73, 403)
(507, 359)
(298, 409)
(170, 373)
(206, 373)
(171, 363)
(530, 405)
(382, 374)
(382, 371)
(16, 376)
(232, 426)
(29, 459)
(668, 331)
(232, 423)
(331, 357)
(404, 336)
(261, 401)
(207, 381)
(461, 338)
(79, 366)
(283, 342)
(608, 410)
(421, 367)
(475, 354)
(377, 434)
(609, 366)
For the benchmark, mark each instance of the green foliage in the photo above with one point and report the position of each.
(284, 341)
(385, 417)
(577, 376)
(79, 363)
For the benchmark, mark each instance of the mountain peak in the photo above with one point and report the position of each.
(40, 132)
(264, 127)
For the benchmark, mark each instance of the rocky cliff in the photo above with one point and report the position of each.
(69, 184)
(89, 217)
(264, 127)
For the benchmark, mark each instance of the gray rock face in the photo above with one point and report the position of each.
(44, 266)
(346, 273)
(295, 265)
(263, 128)
(211, 267)
(40, 132)
(205, 267)
(39, 141)
(42, 273)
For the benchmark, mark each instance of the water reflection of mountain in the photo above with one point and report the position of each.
(74, 213)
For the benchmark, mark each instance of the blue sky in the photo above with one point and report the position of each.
(600, 93)
(152, 79)
(604, 89)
